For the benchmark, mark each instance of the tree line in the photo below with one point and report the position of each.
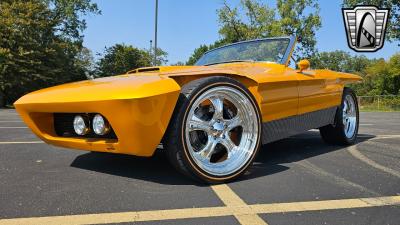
(41, 46)
(381, 77)
(41, 43)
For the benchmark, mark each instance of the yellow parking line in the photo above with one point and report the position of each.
(326, 205)
(20, 142)
(230, 199)
(251, 219)
(227, 196)
(240, 210)
(122, 217)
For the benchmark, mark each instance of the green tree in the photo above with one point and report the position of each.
(383, 77)
(380, 77)
(198, 52)
(253, 19)
(394, 70)
(121, 58)
(39, 44)
(340, 61)
(161, 58)
(84, 61)
(393, 25)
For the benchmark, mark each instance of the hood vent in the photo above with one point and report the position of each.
(144, 70)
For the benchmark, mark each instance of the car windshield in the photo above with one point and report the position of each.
(267, 50)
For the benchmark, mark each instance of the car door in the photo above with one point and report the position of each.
(278, 87)
(318, 89)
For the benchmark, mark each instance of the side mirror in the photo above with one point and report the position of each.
(303, 65)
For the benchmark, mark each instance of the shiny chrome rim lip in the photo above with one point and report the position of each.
(246, 117)
(349, 116)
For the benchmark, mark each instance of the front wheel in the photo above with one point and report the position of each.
(215, 131)
(345, 129)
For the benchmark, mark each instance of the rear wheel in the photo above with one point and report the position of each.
(345, 129)
(215, 131)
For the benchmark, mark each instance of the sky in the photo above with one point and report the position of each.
(184, 25)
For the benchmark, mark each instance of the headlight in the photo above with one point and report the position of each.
(100, 125)
(81, 126)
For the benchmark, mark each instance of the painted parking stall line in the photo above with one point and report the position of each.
(231, 199)
(245, 212)
(326, 205)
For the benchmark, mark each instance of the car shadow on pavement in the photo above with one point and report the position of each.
(157, 168)
(291, 150)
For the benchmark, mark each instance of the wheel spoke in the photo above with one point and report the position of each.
(352, 123)
(345, 112)
(208, 149)
(348, 127)
(218, 104)
(234, 122)
(345, 106)
(196, 123)
(352, 109)
(349, 116)
(228, 143)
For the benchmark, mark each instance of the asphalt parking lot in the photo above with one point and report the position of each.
(299, 180)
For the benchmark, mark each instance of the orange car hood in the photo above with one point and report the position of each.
(108, 88)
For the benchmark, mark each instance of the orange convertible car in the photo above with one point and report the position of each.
(211, 118)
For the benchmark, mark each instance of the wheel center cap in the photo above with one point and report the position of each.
(218, 128)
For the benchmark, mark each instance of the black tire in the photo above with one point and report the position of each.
(174, 140)
(335, 133)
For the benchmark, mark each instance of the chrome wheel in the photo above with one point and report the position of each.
(222, 130)
(349, 116)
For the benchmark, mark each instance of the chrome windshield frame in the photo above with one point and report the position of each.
(285, 57)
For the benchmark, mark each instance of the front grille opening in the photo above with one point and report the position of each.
(63, 126)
